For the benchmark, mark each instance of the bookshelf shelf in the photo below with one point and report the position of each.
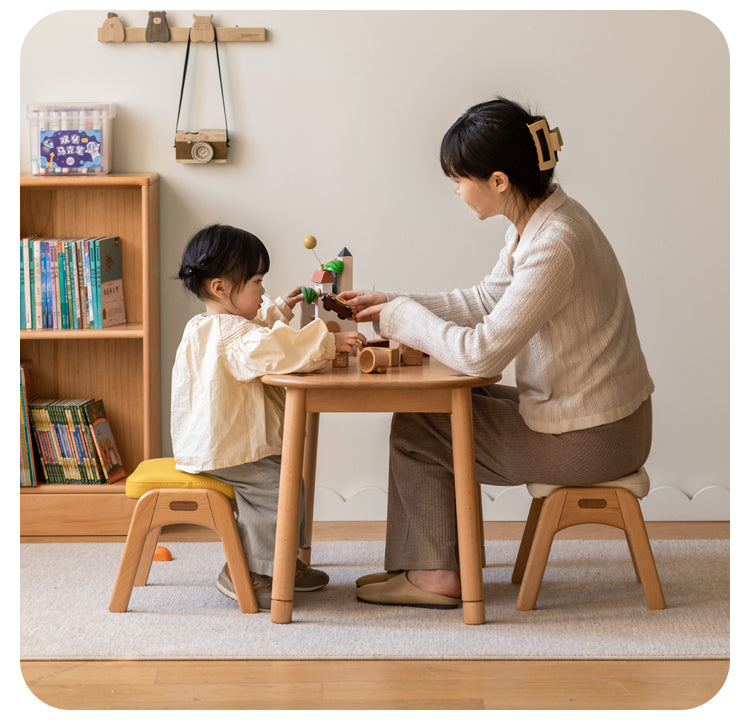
(127, 330)
(118, 364)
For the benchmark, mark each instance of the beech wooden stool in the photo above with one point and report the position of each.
(611, 503)
(167, 496)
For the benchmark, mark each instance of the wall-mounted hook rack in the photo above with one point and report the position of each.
(113, 31)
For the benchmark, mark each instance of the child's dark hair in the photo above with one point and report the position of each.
(494, 136)
(222, 251)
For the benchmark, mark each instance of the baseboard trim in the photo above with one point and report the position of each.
(341, 530)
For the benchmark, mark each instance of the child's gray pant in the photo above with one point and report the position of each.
(256, 489)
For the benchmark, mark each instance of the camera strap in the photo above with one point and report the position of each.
(221, 85)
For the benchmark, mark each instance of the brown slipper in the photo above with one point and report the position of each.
(377, 577)
(399, 591)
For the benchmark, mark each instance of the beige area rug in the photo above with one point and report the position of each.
(590, 606)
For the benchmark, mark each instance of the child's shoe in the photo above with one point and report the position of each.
(261, 587)
(308, 578)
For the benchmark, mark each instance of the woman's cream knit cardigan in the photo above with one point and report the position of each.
(564, 314)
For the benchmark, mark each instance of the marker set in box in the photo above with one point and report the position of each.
(70, 139)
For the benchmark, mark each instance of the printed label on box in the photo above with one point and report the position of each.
(70, 149)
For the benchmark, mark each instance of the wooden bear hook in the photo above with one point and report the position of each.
(112, 29)
(157, 29)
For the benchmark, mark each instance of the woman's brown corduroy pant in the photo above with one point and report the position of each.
(421, 533)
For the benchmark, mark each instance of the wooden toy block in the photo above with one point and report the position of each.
(403, 354)
(341, 360)
(410, 356)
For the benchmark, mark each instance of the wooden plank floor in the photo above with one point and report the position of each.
(386, 684)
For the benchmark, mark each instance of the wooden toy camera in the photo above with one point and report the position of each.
(201, 146)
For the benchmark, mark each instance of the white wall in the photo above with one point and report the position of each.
(335, 124)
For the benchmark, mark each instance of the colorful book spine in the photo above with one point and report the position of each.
(62, 285)
(54, 284)
(70, 271)
(111, 285)
(46, 297)
(79, 290)
(27, 283)
(38, 322)
(87, 283)
(28, 458)
(23, 292)
(97, 285)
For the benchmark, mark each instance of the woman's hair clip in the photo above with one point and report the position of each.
(547, 142)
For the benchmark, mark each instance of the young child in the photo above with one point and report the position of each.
(225, 422)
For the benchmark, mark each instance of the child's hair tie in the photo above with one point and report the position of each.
(188, 271)
(547, 142)
(194, 269)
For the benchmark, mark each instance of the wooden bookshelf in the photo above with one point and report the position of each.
(119, 364)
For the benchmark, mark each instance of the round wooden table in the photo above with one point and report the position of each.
(430, 387)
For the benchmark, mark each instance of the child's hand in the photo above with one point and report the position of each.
(367, 304)
(293, 297)
(349, 342)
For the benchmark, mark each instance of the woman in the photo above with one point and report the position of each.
(557, 303)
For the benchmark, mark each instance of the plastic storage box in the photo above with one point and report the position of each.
(70, 139)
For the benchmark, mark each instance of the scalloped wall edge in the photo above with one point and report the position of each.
(664, 502)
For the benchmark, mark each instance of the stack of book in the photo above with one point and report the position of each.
(71, 283)
(75, 441)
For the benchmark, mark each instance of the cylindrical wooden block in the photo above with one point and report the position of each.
(374, 359)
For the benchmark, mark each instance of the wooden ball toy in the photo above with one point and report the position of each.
(162, 553)
(310, 242)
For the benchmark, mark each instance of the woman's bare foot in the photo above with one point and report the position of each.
(442, 582)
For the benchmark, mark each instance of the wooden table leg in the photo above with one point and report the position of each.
(467, 512)
(287, 522)
(308, 478)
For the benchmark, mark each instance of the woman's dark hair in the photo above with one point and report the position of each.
(222, 251)
(494, 136)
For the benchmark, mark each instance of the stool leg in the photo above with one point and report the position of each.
(147, 557)
(225, 525)
(549, 520)
(632, 556)
(640, 547)
(140, 525)
(529, 531)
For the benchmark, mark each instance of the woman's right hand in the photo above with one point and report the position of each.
(362, 300)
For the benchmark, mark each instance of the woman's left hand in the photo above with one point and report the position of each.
(367, 304)
(370, 314)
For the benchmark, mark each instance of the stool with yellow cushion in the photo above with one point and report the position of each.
(612, 503)
(167, 496)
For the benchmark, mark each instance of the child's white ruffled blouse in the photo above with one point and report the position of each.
(222, 414)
